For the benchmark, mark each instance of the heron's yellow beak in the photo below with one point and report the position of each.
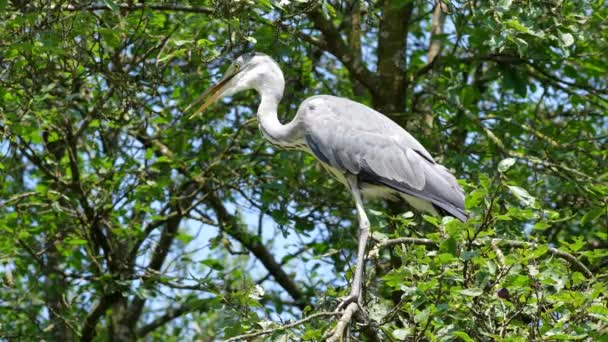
(211, 95)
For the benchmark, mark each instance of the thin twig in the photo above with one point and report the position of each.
(554, 251)
(283, 327)
(17, 198)
(493, 243)
(134, 7)
(499, 254)
(399, 241)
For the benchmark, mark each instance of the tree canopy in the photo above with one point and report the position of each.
(123, 219)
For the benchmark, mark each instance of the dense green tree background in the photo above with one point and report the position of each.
(121, 219)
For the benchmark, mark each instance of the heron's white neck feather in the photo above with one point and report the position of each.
(271, 92)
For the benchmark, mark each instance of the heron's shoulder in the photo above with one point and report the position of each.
(340, 116)
(339, 107)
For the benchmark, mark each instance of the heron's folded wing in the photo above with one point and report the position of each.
(386, 158)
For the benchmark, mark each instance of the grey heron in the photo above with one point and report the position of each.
(363, 149)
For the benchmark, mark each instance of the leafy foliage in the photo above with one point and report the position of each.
(123, 219)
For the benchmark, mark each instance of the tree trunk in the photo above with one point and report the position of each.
(55, 296)
(390, 99)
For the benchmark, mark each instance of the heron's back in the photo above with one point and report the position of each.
(353, 138)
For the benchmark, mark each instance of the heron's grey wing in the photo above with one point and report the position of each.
(379, 153)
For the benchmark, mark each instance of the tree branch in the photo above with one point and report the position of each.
(515, 154)
(230, 225)
(436, 29)
(576, 264)
(532, 159)
(392, 47)
(334, 43)
(554, 251)
(281, 328)
(347, 316)
(135, 7)
(353, 30)
(88, 329)
(171, 314)
(164, 244)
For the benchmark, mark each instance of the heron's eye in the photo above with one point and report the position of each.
(237, 66)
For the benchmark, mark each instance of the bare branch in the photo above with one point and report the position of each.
(399, 241)
(171, 314)
(532, 159)
(554, 251)
(230, 225)
(135, 7)
(436, 29)
(17, 198)
(281, 328)
(164, 244)
(494, 243)
(334, 43)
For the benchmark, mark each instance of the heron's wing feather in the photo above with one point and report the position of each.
(361, 141)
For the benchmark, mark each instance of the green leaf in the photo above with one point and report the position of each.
(76, 241)
(522, 195)
(401, 334)
(472, 292)
(591, 216)
(257, 292)
(375, 212)
(567, 39)
(505, 164)
(110, 36)
(184, 238)
(541, 225)
(422, 316)
(503, 6)
(379, 236)
(474, 198)
(112, 5)
(330, 9)
(448, 246)
(378, 309)
(213, 264)
(539, 251)
(463, 335)
(516, 25)
(558, 334)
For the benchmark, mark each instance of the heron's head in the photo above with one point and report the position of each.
(249, 71)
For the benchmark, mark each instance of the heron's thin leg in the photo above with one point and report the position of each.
(357, 285)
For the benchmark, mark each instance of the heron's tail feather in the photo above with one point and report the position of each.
(457, 213)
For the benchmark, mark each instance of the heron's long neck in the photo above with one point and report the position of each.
(270, 125)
